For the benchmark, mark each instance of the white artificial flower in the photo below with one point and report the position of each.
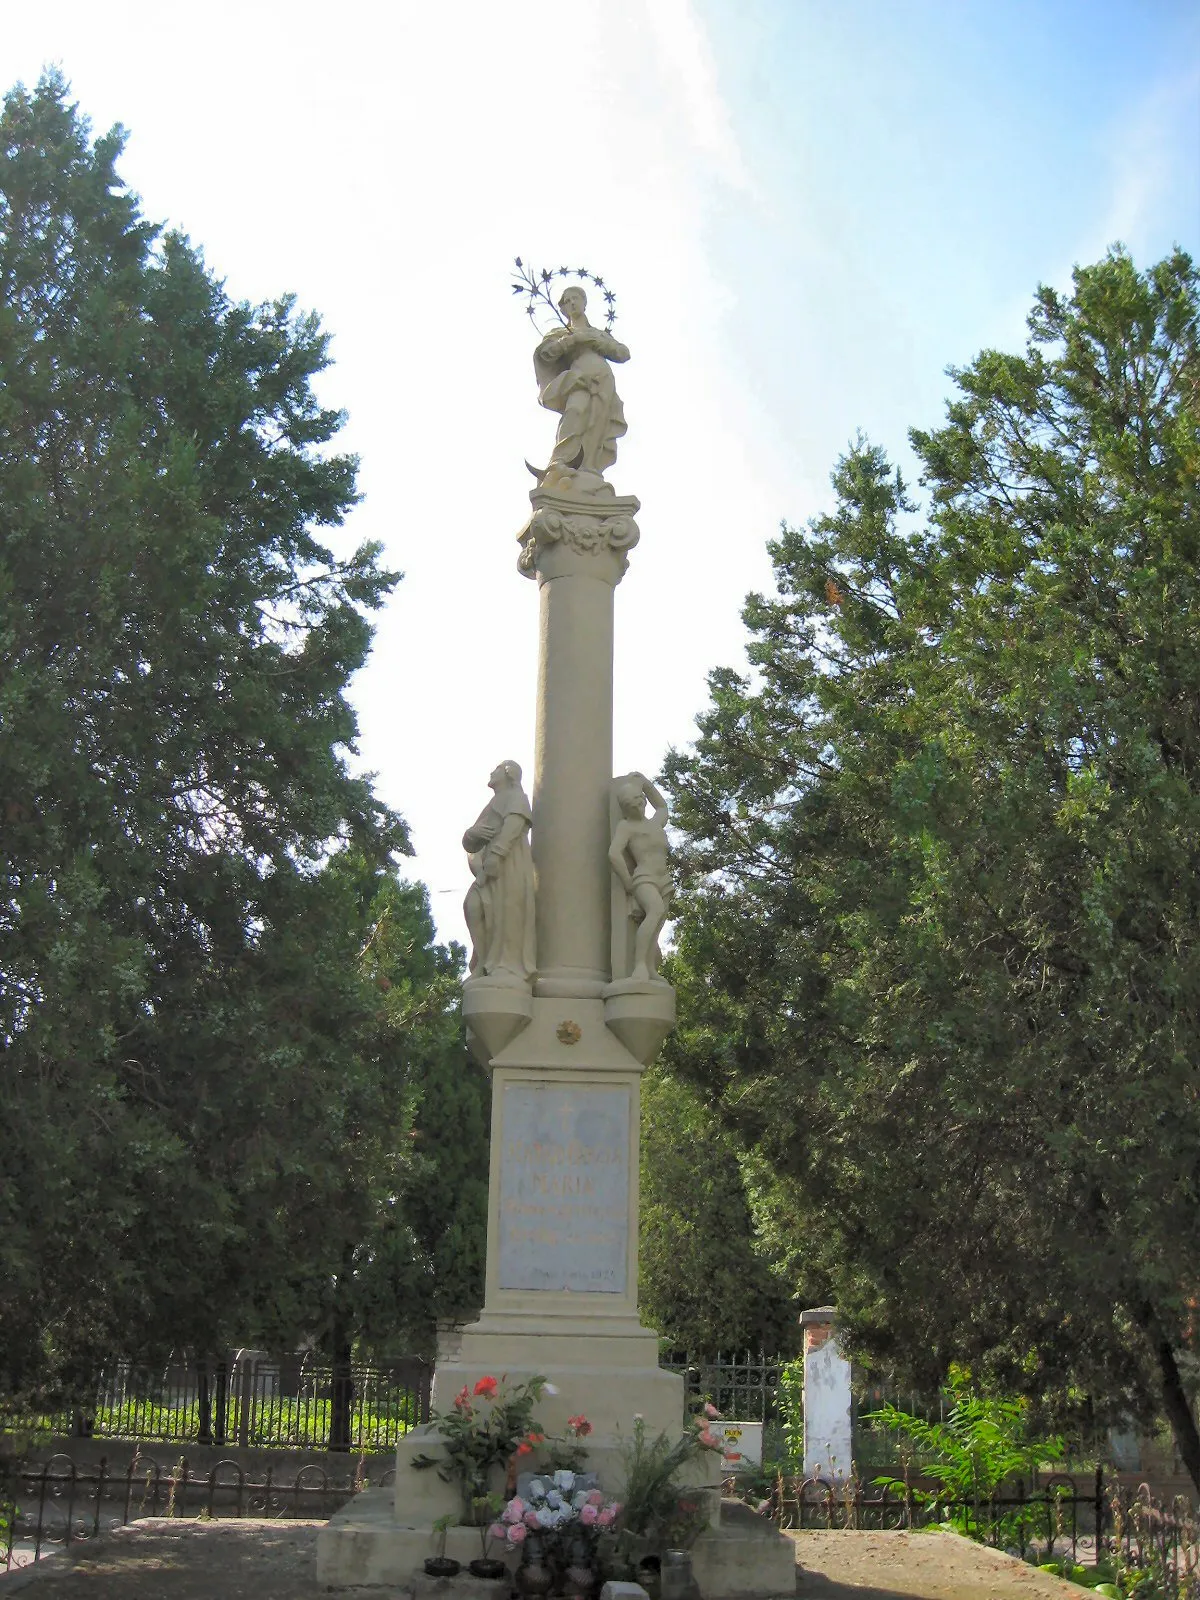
(564, 1479)
(550, 1389)
(554, 1499)
(537, 1489)
(580, 1499)
(546, 1517)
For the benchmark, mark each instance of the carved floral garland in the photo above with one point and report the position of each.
(587, 534)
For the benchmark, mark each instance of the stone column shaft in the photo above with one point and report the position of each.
(572, 772)
(578, 552)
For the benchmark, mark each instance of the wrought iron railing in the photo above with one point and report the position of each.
(253, 1400)
(745, 1387)
(48, 1506)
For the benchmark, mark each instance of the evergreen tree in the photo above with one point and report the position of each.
(938, 956)
(705, 1282)
(205, 1093)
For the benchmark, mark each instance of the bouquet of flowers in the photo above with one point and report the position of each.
(553, 1504)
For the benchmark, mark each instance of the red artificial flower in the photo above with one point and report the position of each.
(579, 1425)
(522, 1449)
(486, 1387)
(536, 1438)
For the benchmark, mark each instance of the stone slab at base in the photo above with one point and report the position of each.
(364, 1547)
(463, 1587)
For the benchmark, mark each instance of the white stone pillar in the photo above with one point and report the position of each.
(828, 1447)
(577, 552)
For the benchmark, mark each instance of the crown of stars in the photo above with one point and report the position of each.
(535, 283)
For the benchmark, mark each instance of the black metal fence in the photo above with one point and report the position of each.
(745, 1387)
(46, 1507)
(1157, 1544)
(1053, 1517)
(252, 1399)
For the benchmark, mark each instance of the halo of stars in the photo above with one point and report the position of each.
(535, 284)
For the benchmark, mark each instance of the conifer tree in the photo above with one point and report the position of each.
(938, 956)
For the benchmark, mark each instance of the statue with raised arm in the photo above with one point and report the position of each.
(638, 855)
(575, 379)
(499, 904)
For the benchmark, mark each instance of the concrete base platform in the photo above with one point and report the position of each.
(744, 1557)
(364, 1547)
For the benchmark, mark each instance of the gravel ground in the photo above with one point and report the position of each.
(176, 1559)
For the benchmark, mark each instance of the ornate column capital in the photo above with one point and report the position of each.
(573, 537)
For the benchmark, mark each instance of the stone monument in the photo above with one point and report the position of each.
(565, 1008)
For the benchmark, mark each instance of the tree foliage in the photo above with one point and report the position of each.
(705, 1282)
(219, 1007)
(938, 956)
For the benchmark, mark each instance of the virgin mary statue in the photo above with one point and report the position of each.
(575, 379)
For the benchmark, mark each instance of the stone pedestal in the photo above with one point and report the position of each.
(561, 1286)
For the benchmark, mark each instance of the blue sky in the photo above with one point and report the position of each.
(809, 210)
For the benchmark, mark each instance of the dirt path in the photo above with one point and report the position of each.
(916, 1566)
(177, 1559)
(173, 1559)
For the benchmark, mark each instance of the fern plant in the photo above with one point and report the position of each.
(983, 1443)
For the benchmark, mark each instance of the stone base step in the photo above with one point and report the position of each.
(365, 1548)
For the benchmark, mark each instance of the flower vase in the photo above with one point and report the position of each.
(535, 1574)
(676, 1581)
(580, 1578)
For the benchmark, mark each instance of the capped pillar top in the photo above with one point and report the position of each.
(568, 536)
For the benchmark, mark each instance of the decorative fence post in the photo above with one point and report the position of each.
(828, 1451)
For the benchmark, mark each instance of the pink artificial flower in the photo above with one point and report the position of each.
(710, 1411)
(497, 1531)
(462, 1400)
(595, 1498)
(530, 1518)
(606, 1516)
(588, 1515)
(514, 1510)
(709, 1439)
(516, 1534)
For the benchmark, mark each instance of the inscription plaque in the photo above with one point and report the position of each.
(564, 1188)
